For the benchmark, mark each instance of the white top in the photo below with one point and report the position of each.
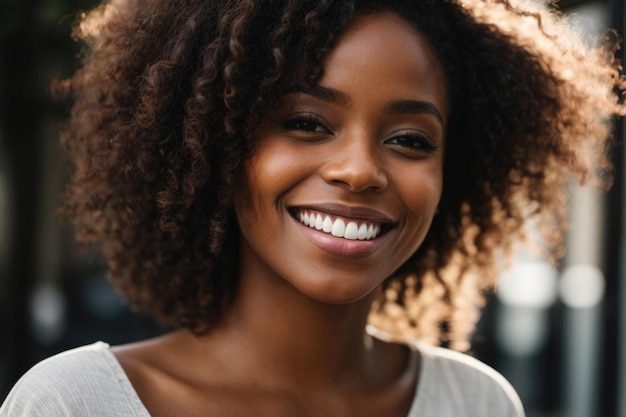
(90, 382)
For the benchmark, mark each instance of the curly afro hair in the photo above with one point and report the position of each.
(169, 92)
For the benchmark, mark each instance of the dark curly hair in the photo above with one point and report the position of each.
(169, 93)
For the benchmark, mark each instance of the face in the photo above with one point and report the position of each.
(348, 174)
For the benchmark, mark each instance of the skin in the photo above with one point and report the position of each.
(366, 145)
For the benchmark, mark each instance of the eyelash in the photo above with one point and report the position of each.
(296, 121)
(420, 142)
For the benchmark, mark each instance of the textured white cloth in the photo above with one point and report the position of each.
(90, 382)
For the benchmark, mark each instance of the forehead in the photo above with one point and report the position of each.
(385, 55)
(384, 48)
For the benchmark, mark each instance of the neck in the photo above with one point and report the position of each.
(285, 334)
(292, 333)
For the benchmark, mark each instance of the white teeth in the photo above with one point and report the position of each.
(352, 231)
(338, 228)
(319, 222)
(328, 225)
(362, 233)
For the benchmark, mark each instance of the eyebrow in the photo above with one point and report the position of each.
(413, 107)
(323, 93)
(393, 107)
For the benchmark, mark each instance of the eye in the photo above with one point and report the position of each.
(305, 122)
(412, 144)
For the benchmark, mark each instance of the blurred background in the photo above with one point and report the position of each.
(558, 335)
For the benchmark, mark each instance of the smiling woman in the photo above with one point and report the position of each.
(271, 177)
(364, 149)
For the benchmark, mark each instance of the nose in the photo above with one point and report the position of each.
(356, 164)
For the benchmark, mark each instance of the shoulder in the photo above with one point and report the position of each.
(463, 385)
(79, 382)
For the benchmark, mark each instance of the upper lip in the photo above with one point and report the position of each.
(352, 212)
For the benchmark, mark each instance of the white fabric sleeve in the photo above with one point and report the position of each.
(455, 384)
(83, 382)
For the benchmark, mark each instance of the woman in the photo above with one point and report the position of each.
(269, 177)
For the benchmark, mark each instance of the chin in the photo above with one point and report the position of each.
(337, 294)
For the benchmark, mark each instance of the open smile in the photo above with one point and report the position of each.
(339, 226)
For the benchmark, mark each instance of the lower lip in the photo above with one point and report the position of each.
(339, 246)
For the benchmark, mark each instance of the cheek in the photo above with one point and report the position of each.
(273, 164)
(422, 192)
(267, 176)
(248, 201)
(421, 199)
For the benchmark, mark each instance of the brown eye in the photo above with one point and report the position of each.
(305, 122)
(412, 143)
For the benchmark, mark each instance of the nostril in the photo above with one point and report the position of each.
(356, 175)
